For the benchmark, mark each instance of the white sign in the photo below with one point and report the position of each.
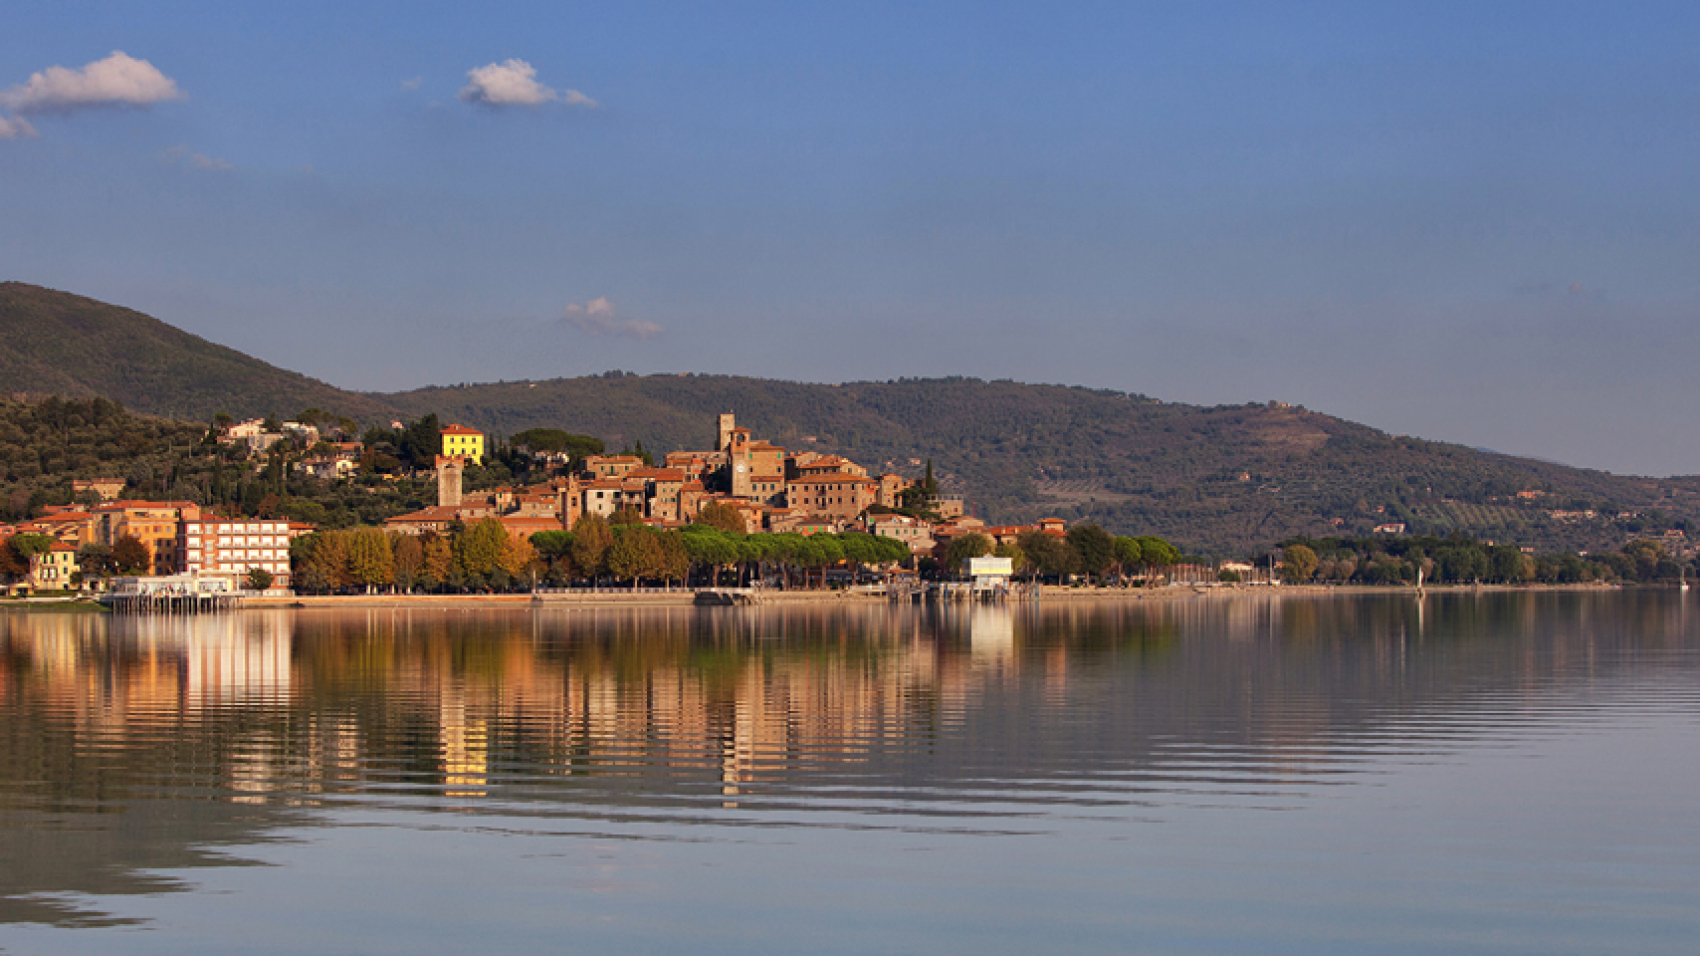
(991, 567)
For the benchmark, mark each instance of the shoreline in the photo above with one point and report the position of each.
(686, 598)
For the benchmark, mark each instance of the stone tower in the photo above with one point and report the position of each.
(726, 423)
(448, 480)
(738, 457)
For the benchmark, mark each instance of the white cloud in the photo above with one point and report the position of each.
(413, 84)
(194, 160)
(118, 80)
(14, 128)
(514, 83)
(599, 317)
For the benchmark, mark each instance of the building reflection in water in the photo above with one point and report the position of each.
(133, 746)
(672, 704)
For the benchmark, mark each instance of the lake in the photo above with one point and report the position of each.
(1461, 773)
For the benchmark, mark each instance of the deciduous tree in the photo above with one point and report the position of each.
(371, 562)
(131, 554)
(1298, 564)
(633, 554)
(965, 546)
(478, 548)
(591, 538)
(1094, 548)
(439, 565)
(717, 514)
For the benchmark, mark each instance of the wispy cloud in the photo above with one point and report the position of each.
(117, 80)
(183, 155)
(599, 317)
(413, 84)
(514, 83)
(15, 128)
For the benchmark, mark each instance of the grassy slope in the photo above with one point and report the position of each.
(58, 343)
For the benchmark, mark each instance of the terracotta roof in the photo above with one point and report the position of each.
(529, 522)
(460, 430)
(431, 513)
(835, 476)
(659, 474)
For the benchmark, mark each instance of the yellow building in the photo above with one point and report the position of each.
(468, 443)
(52, 569)
(153, 523)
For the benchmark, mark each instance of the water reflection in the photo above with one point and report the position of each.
(132, 746)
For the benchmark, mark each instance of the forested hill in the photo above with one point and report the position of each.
(1221, 480)
(63, 344)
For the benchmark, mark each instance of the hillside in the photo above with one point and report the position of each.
(62, 344)
(1224, 480)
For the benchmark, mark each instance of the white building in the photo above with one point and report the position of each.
(210, 545)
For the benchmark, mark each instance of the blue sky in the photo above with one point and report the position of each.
(1468, 222)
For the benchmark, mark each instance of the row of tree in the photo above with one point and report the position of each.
(1086, 550)
(483, 556)
(1460, 560)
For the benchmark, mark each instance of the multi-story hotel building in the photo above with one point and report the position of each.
(218, 545)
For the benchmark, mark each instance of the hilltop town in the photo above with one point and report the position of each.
(741, 484)
(769, 488)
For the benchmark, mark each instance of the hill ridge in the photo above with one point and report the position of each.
(1222, 479)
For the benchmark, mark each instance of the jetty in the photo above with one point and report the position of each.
(174, 594)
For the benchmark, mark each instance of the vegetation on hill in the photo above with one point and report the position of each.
(46, 445)
(56, 343)
(1226, 480)
(1223, 480)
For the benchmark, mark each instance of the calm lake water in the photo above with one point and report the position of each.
(1500, 773)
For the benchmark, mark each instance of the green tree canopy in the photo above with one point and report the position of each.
(591, 538)
(634, 553)
(1298, 564)
(1094, 548)
(1047, 555)
(478, 548)
(371, 558)
(965, 546)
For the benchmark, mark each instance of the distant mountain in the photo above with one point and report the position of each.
(59, 343)
(1223, 480)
